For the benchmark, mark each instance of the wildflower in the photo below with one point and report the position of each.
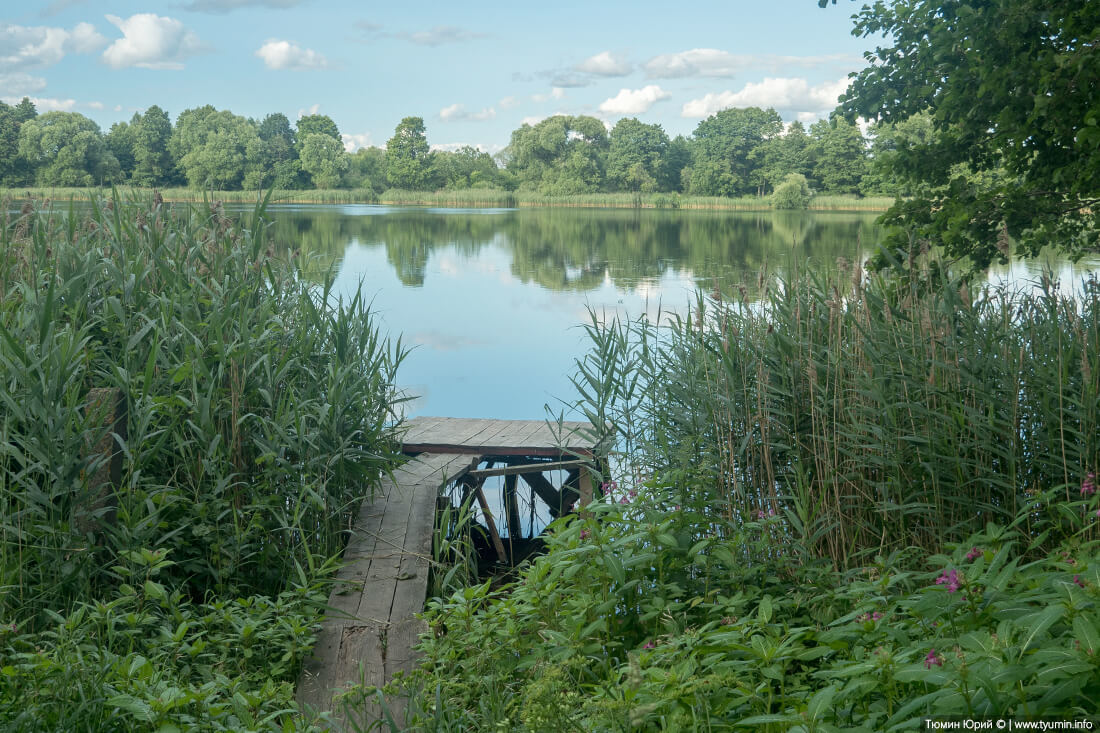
(950, 580)
(876, 616)
(975, 553)
(585, 534)
(729, 620)
(1088, 486)
(649, 645)
(760, 514)
(932, 659)
(624, 500)
(771, 512)
(632, 494)
(1078, 581)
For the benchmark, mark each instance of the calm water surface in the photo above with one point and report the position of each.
(492, 300)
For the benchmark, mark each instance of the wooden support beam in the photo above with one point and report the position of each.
(106, 408)
(528, 468)
(545, 491)
(489, 522)
(586, 486)
(511, 507)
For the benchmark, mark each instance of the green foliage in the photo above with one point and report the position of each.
(560, 155)
(838, 155)
(212, 147)
(148, 658)
(324, 159)
(637, 156)
(793, 193)
(849, 508)
(14, 169)
(408, 157)
(964, 65)
(153, 164)
(259, 409)
(67, 149)
(722, 146)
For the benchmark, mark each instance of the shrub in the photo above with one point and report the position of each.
(793, 193)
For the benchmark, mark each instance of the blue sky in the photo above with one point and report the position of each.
(473, 70)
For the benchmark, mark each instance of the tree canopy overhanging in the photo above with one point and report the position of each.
(1012, 88)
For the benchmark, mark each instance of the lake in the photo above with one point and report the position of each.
(492, 300)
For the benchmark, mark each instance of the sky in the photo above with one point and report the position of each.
(474, 71)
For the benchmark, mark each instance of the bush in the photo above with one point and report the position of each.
(793, 193)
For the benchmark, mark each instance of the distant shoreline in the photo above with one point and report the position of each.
(473, 198)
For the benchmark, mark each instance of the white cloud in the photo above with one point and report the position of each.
(95, 105)
(356, 140)
(289, 55)
(605, 64)
(789, 94)
(555, 93)
(533, 120)
(711, 62)
(34, 47)
(456, 112)
(509, 103)
(437, 36)
(224, 6)
(313, 109)
(490, 148)
(150, 42)
(45, 104)
(19, 84)
(807, 118)
(633, 101)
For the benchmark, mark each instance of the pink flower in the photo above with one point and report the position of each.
(1088, 486)
(950, 580)
(585, 534)
(1078, 581)
(649, 645)
(632, 494)
(624, 500)
(975, 553)
(876, 616)
(932, 659)
(760, 514)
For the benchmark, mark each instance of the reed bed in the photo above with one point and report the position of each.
(259, 410)
(470, 197)
(873, 415)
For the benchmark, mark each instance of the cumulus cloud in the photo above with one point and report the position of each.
(151, 42)
(20, 84)
(95, 105)
(45, 104)
(605, 64)
(313, 109)
(555, 93)
(633, 101)
(711, 62)
(355, 141)
(289, 55)
(509, 103)
(533, 120)
(456, 112)
(23, 47)
(437, 36)
(224, 6)
(787, 94)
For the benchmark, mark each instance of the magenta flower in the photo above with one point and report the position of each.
(585, 534)
(649, 645)
(760, 514)
(876, 616)
(1088, 486)
(950, 580)
(624, 500)
(932, 659)
(1078, 581)
(975, 553)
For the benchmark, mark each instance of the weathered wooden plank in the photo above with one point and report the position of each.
(545, 491)
(494, 437)
(401, 657)
(511, 508)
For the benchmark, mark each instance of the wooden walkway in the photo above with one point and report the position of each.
(369, 633)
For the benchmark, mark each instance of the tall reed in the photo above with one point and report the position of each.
(260, 407)
(869, 414)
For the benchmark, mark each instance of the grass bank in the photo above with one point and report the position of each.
(854, 505)
(258, 415)
(472, 198)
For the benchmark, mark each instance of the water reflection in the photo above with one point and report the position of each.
(492, 300)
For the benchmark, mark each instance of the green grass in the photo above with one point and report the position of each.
(474, 197)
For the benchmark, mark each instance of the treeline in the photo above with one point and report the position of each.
(735, 152)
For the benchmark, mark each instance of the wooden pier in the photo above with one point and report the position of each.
(369, 633)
